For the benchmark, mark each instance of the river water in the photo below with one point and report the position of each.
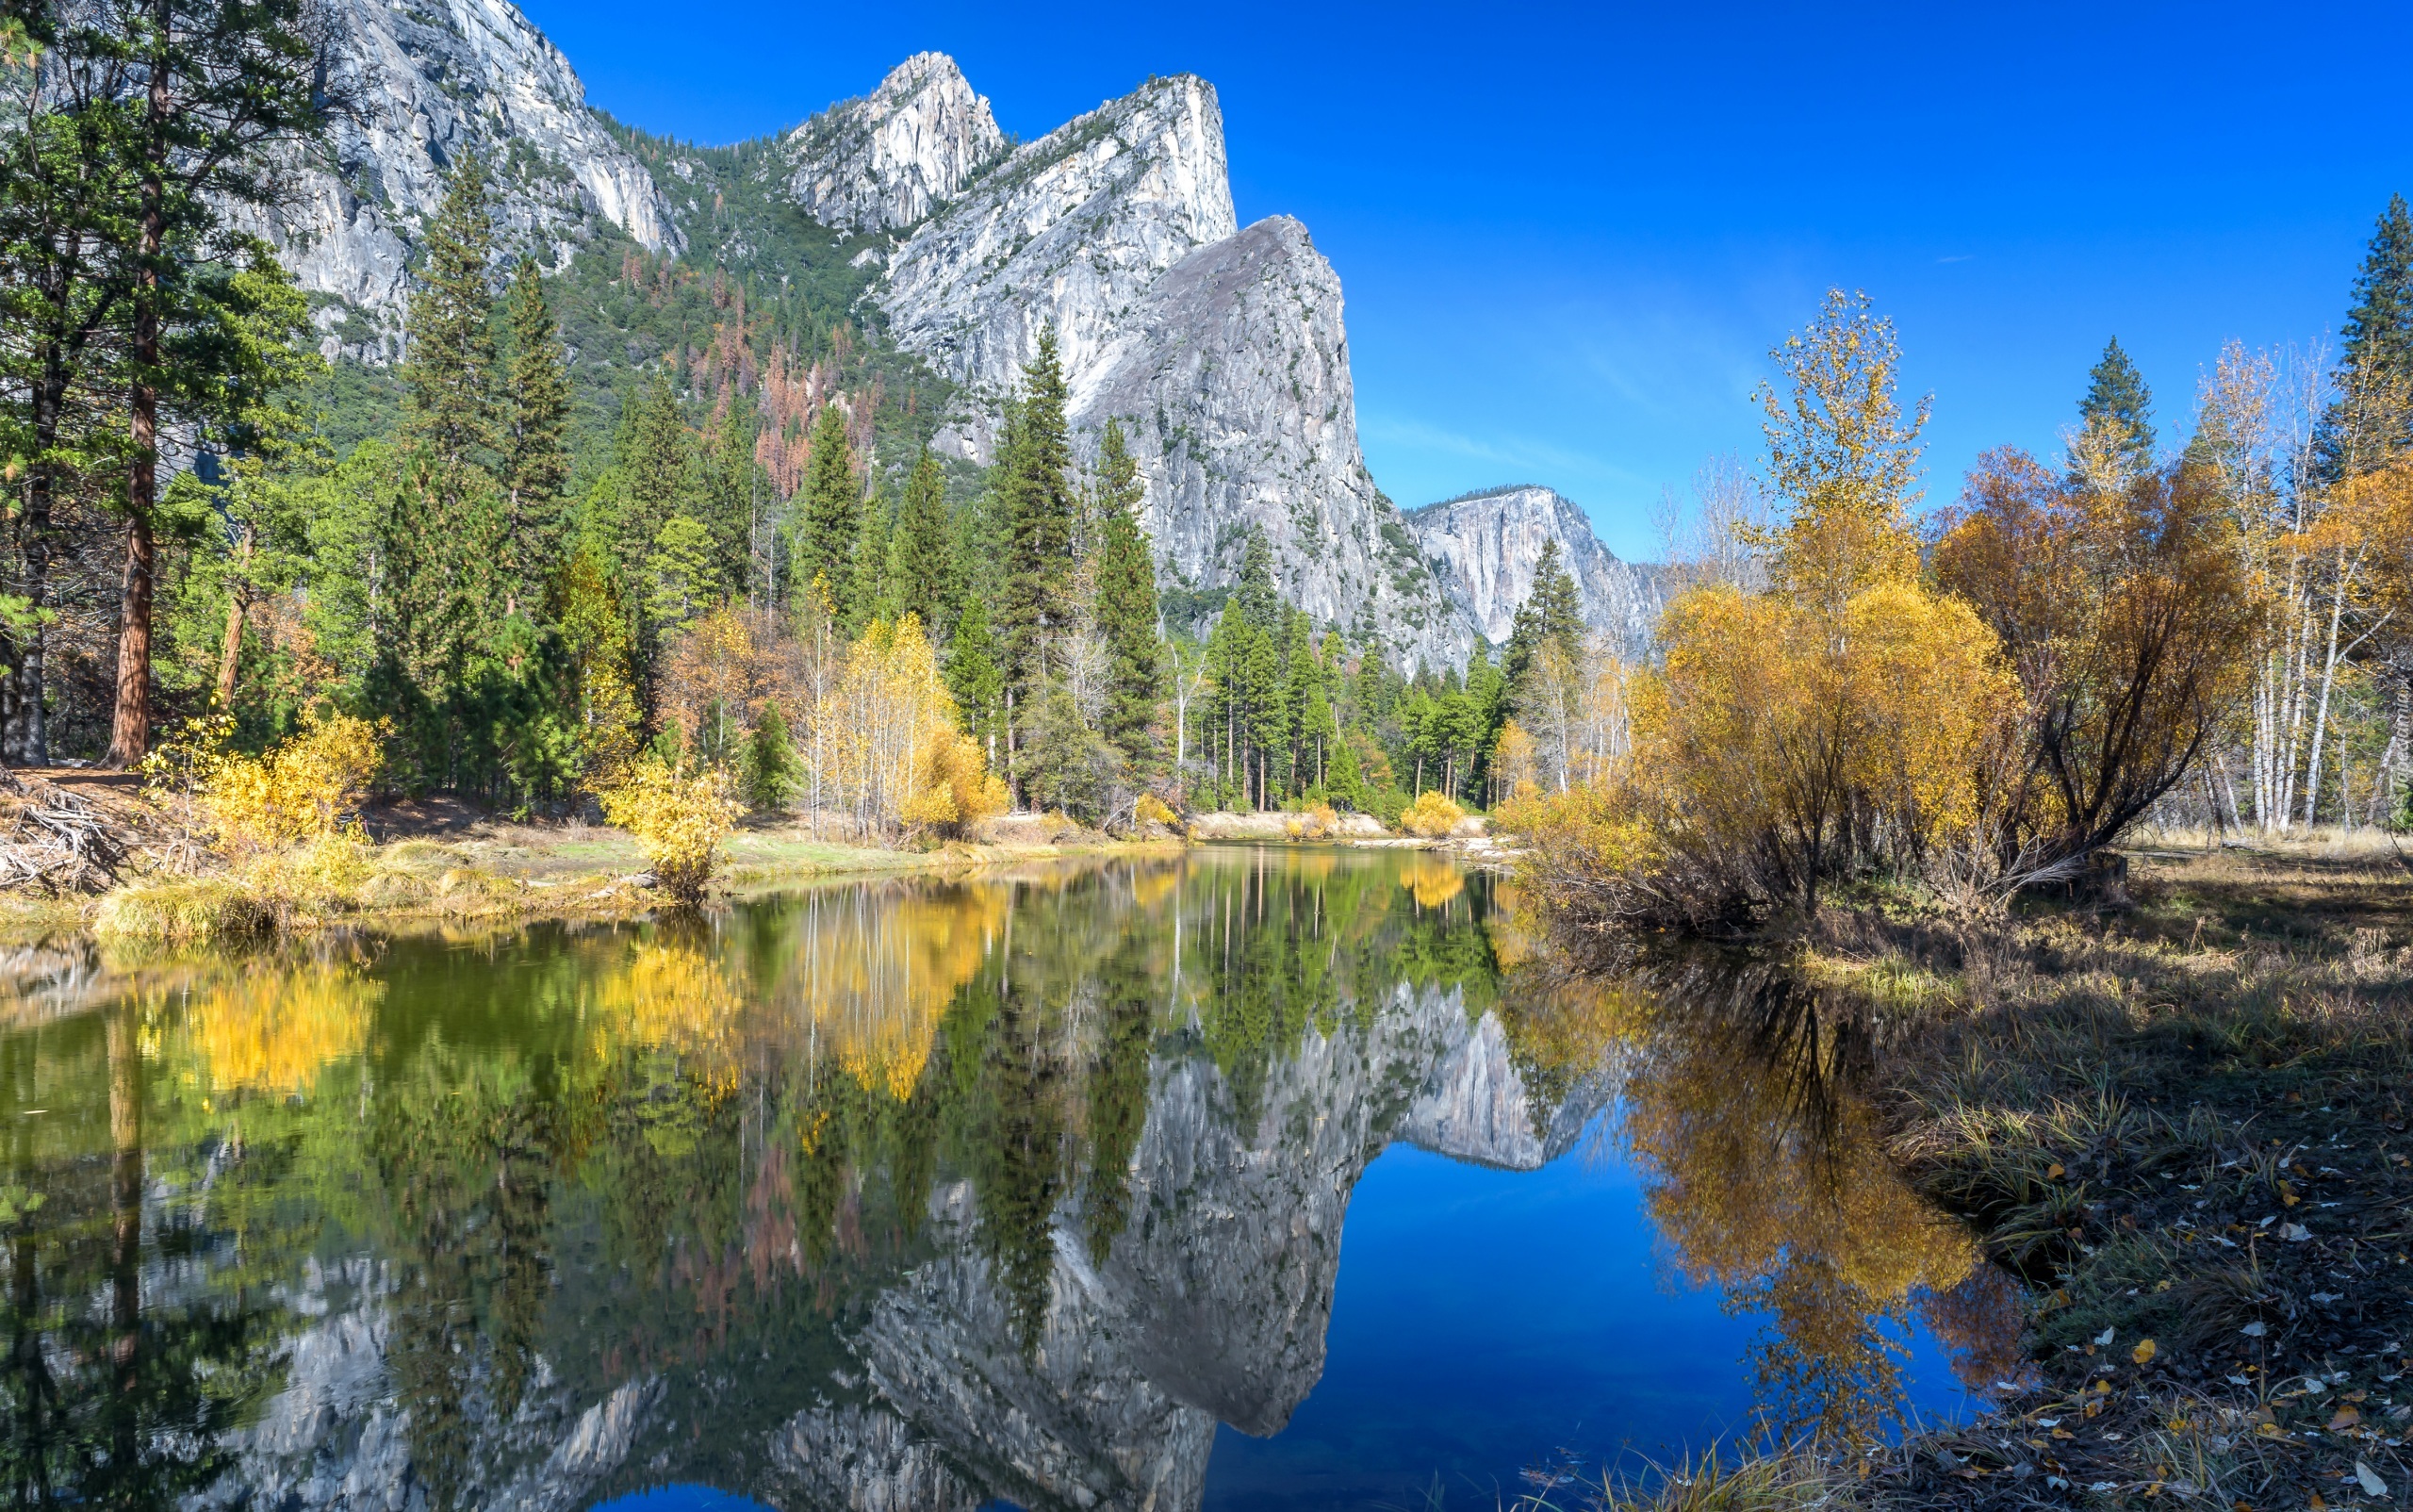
(1248, 1180)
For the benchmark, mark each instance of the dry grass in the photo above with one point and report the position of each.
(2182, 1120)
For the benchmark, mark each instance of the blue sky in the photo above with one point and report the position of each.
(1568, 236)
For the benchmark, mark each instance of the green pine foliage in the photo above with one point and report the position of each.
(828, 514)
(2119, 405)
(769, 778)
(535, 442)
(922, 555)
(2371, 423)
(1035, 487)
(449, 375)
(1127, 602)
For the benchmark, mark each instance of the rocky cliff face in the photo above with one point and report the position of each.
(438, 81)
(1223, 352)
(1231, 376)
(1483, 548)
(885, 161)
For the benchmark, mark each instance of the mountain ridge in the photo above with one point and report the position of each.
(1222, 350)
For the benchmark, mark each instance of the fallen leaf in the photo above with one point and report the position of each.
(2053, 1171)
(2142, 1354)
(2371, 1482)
(2294, 1233)
(2254, 1329)
(2105, 1337)
(2316, 1505)
(2346, 1417)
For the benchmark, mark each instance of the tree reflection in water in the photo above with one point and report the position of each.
(1767, 1176)
(558, 1215)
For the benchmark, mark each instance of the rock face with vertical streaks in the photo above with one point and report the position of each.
(1221, 350)
(435, 82)
(1483, 548)
(883, 162)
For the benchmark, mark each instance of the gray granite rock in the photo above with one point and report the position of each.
(885, 161)
(1483, 548)
(436, 81)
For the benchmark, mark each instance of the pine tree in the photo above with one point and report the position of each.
(1258, 600)
(1126, 600)
(535, 450)
(770, 770)
(1269, 720)
(923, 548)
(449, 374)
(444, 530)
(732, 491)
(656, 463)
(2377, 337)
(867, 595)
(1040, 510)
(679, 582)
(828, 523)
(1552, 612)
(971, 672)
(2119, 407)
(2371, 419)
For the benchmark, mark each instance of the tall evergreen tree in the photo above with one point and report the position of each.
(1257, 599)
(1038, 495)
(1126, 599)
(654, 457)
(973, 675)
(2378, 333)
(444, 532)
(829, 520)
(2119, 407)
(1552, 613)
(732, 494)
(449, 374)
(535, 441)
(2371, 419)
(223, 84)
(923, 548)
(867, 597)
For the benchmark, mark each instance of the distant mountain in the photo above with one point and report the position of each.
(1221, 349)
(1483, 549)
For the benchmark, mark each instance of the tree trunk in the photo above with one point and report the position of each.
(130, 731)
(230, 654)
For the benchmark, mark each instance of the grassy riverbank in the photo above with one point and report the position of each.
(491, 870)
(2183, 1121)
(440, 863)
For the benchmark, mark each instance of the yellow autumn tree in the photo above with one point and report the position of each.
(1832, 724)
(882, 735)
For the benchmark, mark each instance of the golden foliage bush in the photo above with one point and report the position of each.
(952, 791)
(679, 819)
(300, 791)
(1149, 809)
(1431, 816)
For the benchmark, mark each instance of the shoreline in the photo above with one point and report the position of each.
(2182, 1120)
(487, 871)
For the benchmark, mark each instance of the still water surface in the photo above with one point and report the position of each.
(1250, 1179)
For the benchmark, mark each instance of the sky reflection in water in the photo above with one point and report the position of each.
(1029, 1190)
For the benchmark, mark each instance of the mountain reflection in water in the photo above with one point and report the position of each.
(889, 1195)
